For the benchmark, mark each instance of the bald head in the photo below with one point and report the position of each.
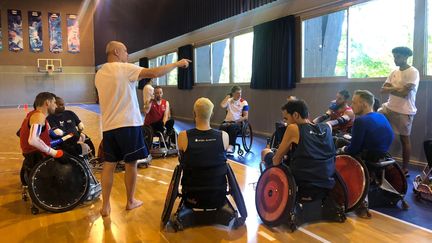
(116, 51)
(203, 108)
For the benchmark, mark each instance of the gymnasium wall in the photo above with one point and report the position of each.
(19, 79)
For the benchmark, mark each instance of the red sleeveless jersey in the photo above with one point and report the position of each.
(340, 112)
(25, 133)
(156, 112)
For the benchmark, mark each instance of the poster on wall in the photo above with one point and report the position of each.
(35, 31)
(15, 33)
(73, 34)
(55, 34)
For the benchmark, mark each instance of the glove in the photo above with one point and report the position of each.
(333, 106)
(340, 150)
(55, 153)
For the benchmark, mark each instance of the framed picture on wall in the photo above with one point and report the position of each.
(55, 33)
(35, 31)
(15, 31)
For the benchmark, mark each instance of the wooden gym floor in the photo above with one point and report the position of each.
(84, 224)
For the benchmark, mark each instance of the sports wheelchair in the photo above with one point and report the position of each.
(278, 199)
(423, 182)
(200, 203)
(160, 144)
(58, 185)
(381, 178)
(246, 134)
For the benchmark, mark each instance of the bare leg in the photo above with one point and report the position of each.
(107, 181)
(406, 151)
(130, 182)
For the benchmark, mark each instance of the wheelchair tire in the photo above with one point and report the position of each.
(275, 196)
(148, 136)
(57, 186)
(339, 192)
(247, 137)
(236, 193)
(172, 195)
(355, 174)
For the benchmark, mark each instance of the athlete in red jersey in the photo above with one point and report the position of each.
(339, 115)
(158, 114)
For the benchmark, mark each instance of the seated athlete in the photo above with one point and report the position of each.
(372, 134)
(65, 121)
(339, 115)
(280, 127)
(34, 134)
(311, 148)
(237, 112)
(203, 148)
(158, 114)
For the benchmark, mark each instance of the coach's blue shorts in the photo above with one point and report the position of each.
(125, 143)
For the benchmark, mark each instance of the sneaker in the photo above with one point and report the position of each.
(363, 211)
(230, 149)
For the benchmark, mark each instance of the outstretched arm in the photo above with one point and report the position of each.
(36, 123)
(162, 70)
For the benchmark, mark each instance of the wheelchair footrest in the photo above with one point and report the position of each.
(318, 210)
(187, 217)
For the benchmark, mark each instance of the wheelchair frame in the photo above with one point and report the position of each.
(185, 216)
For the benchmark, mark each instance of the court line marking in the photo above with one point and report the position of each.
(161, 168)
(11, 158)
(267, 236)
(402, 221)
(10, 153)
(163, 182)
(315, 236)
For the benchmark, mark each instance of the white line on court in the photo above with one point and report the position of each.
(10, 153)
(315, 236)
(265, 235)
(163, 182)
(11, 158)
(402, 221)
(160, 168)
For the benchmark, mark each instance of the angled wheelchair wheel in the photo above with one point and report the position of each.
(148, 136)
(172, 195)
(275, 195)
(395, 176)
(236, 193)
(247, 137)
(58, 186)
(89, 142)
(339, 192)
(355, 175)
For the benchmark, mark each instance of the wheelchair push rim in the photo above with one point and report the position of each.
(275, 195)
(171, 195)
(57, 186)
(247, 137)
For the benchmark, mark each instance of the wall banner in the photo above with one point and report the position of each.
(1, 36)
(73, 33)
(15, 33)
(35, 31)
(55, 34)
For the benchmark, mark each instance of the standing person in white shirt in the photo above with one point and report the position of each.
(237, 112)
(401, 85)
(121, 118)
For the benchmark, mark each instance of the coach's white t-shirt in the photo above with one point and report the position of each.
(399, 79)
(116, 82)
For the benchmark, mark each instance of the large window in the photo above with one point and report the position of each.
(357, 42)
(171, 77)
(243, 46)
(212, 62)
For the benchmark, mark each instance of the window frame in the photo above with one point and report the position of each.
(420, 35)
